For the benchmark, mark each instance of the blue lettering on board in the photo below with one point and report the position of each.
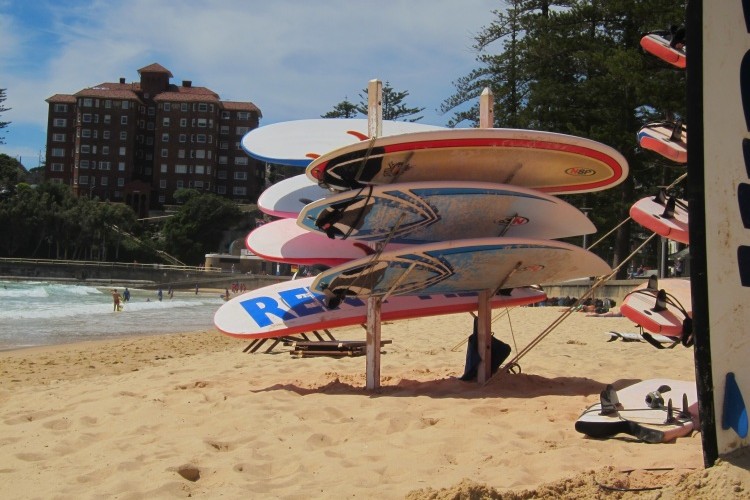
(743, 190)
(301, 301)
(260, 308)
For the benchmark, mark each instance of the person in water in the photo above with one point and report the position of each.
(126, 295)
(116, 299)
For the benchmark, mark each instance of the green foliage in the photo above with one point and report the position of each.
(393, 106)
(576, 67)
(3, 109)
(198, 225)
(11, 173)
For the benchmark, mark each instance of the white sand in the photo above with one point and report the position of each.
(192, 415)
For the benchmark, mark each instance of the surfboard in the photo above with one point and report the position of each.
(550, 162)
(666, 318)
(424, 212)
(658, 44)
(666, 216)
(284, 241)
(286, 198)
(669, 139)
(291, 307)
(460, 266)
(637, 337)
(298, 142)
(643, 410)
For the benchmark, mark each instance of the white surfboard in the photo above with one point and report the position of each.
(298, 142)
(550, 162)
(460, 266)
(286, 198)
(424, 212)
(284, 241)
(290, 307)
(642, 410)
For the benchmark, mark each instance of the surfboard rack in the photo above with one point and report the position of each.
(256, 344)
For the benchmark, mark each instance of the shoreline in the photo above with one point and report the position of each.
(189, 414)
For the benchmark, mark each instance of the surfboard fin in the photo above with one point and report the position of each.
(609, 401)
(653, 283)
(661, 301)
(735, 412)
(669, 208)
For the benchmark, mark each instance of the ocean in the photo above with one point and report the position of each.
(36, 313)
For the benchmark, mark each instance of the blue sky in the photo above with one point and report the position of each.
(294, 59)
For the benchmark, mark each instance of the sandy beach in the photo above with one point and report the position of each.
(191, 415)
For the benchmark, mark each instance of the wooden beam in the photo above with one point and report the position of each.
(373, 342)
(484, 337)
(374, 108)
(486, 109)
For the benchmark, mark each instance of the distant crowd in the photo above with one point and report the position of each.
(598, 306)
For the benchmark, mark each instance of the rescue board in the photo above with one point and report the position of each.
(550, 162)
(286, 198)
(659, 44)
(460, 266)
(643, 410)
(669, 315)
(284, 241)
(669, 139)
(296, 143)
(666, 216)
(424, 212)
(290, 307)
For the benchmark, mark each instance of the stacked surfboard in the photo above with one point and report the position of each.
(425, 217)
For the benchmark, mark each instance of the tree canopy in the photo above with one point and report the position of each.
(394, 107)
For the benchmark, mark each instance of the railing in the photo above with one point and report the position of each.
(112, 265)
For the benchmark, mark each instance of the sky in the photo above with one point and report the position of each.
(294, 59)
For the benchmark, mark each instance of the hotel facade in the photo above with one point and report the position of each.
(139, 142)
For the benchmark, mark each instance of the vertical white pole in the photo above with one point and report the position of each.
(374, 129)
(484, 333)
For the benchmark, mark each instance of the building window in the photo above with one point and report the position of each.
(163, 184)
(226, 115)
(123, 136)
(180, 169)
(164, 152)
(202, 106)
(180, 153)
(179, 184)
(243, 115)
(104, 181)
(58, 137)
(200, 153)
(242, 130)
(150, 126)
(123, 120)
(164, 137)
(121, 166)
(86, 118)
(85, 133)
(83, 164)
(163, 168)
(165, 122)
(201, 122)
(151, 111)
(200, 169)
(221, 174)
(198, 184)
(104, 165)
(83, 179)
(224, 130)
(87, 103)
(183, 137)
(120, 181)
(221, 190)
(167, 106)
(105, 134)
(57, 167)
(105, 150)
(240, 160)
(61, 108)
(59, 122)
(183, 106)
(107, 103)
(239, 190)
(201, 138)
(85, 148)
(123, 150)
(107, 119)
(125, 104)
(240, 176)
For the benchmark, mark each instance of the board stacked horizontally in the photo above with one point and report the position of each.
(426, 218)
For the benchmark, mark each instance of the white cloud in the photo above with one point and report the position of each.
(294, 59)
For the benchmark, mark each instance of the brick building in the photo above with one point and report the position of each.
(139, 142)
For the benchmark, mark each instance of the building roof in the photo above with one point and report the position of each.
(62, 98)
(240, 106)
(124, 91)
(155, 68)
(179, 93)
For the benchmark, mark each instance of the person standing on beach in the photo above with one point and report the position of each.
(116, 299)
(159, 294)
(126, 295)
